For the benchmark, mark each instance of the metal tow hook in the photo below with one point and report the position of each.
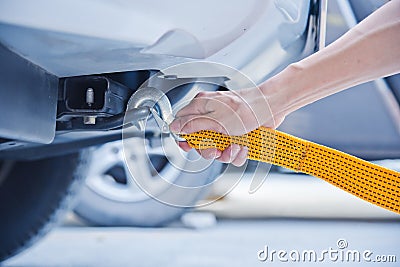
(159, 106)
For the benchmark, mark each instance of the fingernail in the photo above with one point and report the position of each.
(235, 148)
(215, 155)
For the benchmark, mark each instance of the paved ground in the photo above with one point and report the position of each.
(247, 224)
(289, 212)
(228, 243)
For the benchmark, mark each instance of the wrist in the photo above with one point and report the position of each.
(282, 92)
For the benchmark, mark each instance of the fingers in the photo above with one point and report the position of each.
(210, 153)
(229, 154)
(206, 111)
(184, 117)
(241, 157)
(194, 123)
(234, 154)
(218, 111)
(197, 105)
(185, 146)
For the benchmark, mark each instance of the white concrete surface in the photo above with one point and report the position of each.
(258, 223)
(229, 243)
(293, 196)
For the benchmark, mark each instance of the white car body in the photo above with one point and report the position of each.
(254, 36)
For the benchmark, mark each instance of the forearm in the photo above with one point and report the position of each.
(368, 51)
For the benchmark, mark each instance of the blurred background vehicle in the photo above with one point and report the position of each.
(363, 121)
(68, 71)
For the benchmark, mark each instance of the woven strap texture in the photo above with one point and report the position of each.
(368, 181)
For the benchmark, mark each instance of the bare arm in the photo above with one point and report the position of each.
(368, 51)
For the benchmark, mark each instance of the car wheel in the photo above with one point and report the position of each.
(33, 195)
(111, 197)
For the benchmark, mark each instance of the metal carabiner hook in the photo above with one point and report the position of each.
(163, 115)
(163, 125)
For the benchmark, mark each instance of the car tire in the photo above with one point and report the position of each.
(99, 206)
(33, 196)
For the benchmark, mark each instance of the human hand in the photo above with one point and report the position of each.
(227, 112)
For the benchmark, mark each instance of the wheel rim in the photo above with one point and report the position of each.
(109, 177)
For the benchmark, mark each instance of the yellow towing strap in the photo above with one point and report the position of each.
(368, 181)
